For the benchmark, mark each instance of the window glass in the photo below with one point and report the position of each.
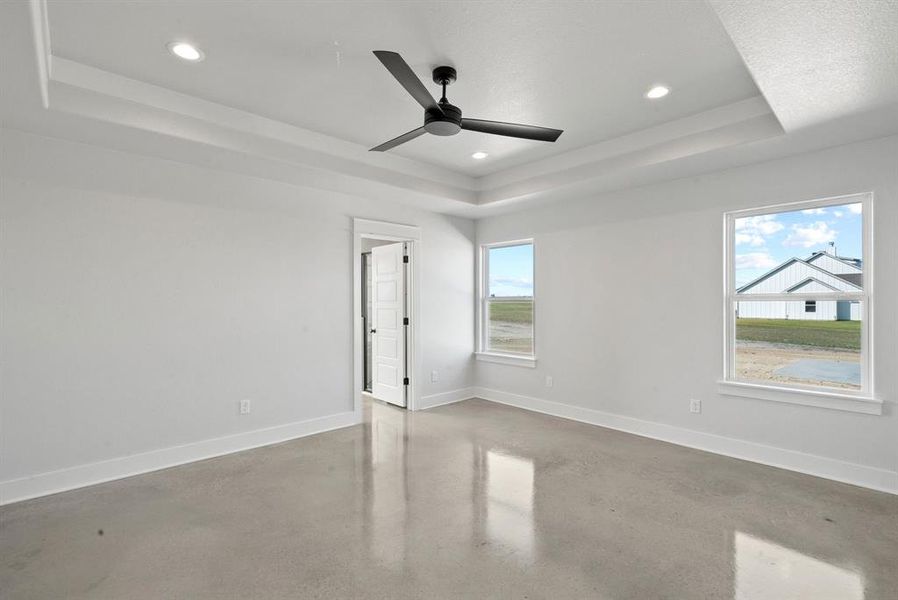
(816, 256)
(828, 239)
(800, 351)
(508, 306)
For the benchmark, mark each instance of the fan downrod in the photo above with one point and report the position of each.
(449, 122)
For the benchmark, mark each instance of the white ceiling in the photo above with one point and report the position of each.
(818, 59)
(98, 73)
(579, 66)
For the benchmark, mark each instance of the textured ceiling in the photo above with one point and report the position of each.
(134, 105)
(579, 66)
(817, 60)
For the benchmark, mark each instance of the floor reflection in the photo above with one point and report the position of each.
(447, 496)
(765, 570)
(491, 498)
(471, 500)
(386, 488)
(509, 508)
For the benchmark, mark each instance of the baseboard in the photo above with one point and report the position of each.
(16, 490)
(449, 397)
(861, 475)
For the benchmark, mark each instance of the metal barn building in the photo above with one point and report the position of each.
(821, 272)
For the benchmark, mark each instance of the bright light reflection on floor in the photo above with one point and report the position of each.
(766, 571)
(510, 503)
(387, 495)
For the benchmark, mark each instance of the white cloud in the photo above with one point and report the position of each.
(753, 230)
(856, 208)
(838, 214)
(765, 224)
(814, 211)
(807, 236)
(515, 282)
(755, 260)
(750, 239)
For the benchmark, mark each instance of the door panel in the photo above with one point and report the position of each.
(388, 309)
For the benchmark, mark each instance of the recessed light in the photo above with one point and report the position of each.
(658, 91)
(185, 51)
(479, 155)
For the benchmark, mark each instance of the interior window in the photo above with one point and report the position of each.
(797, 296)
(507, 303)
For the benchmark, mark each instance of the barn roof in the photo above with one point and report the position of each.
(845, 260)
(853, 279)
(808, 280)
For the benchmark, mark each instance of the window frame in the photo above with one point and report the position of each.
(482, 351)
(862, 400)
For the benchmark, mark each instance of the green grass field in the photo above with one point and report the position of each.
(511, 326)
(512, 312)
(824, 334)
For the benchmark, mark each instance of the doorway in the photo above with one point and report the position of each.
(384, 303)
(385, 319)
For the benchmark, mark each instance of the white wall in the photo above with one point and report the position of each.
(142, 299)
(628, 309)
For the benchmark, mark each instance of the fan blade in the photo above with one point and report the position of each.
(528, 132)
(407, 79)
(405, 137)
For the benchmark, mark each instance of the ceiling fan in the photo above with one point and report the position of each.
(442, 118)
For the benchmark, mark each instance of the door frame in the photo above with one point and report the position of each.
(394, 232)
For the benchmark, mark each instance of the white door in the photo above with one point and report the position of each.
(387, 328)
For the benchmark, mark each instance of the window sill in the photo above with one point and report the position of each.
(507, 359)
(823, 399)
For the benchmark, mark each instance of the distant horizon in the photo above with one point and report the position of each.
(763, 242)
(511, 271)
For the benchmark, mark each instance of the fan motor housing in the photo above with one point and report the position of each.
(444, 75)
(447, 123)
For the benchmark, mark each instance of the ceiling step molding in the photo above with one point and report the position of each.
(182, 127)
(746, 121)
(97, 94)
(90, 92)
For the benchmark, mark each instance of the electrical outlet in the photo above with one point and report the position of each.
(245, 407)
(549, 381)
(695, 406)
(434, 376)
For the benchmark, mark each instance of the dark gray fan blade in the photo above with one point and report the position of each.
(528, 132)
(407, 79)
(399, 140)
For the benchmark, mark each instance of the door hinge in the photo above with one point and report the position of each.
(405, 259)
(405, 320)
(405, 381)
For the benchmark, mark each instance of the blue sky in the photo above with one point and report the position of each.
(511, 271)
(765, 241)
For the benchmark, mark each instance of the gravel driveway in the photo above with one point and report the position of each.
(763, 361)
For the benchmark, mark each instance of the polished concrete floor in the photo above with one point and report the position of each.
(471, 500)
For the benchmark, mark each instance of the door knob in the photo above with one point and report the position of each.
(373, 331)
